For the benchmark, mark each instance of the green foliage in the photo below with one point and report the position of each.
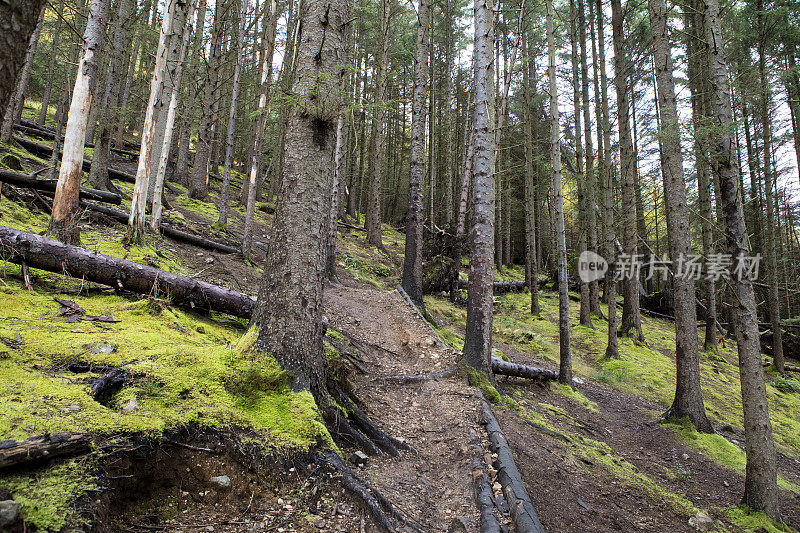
(787, 385)
(754, 522)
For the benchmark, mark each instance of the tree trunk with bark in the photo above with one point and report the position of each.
(412, 264)
(51, 66)
(478, 338)
(631, 315)
(289, 312)
(529, 78)
(64, 220)
(761, 489)
(688, 394)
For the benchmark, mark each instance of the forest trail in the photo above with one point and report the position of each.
(436, 417)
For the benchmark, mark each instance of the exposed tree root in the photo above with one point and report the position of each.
(406, 379)
(379, 506)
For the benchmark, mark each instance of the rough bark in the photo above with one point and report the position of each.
(478, 338)
(688, 395)
(54, 256)
(761, 489)
(412, 264)
(64, 223)
(15, 454)
(521, 371)
(289, 314)
(51, 66)
(338, 175)
(529, 78)
(631, 316)
(14, 111)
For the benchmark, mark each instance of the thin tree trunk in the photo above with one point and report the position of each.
(528, 78)
(412, 264)
(761, 488)
(261, 124)
(237, 69)
(631, 317)
(478, 338)
(772, 261)
(139, 201)
(565, 364)
(169, 120)
(373, 218)
(64, 220)
(51, 66)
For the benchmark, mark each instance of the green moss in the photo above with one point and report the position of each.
(752, 522)
(574, 395)
(46, 497)
(333, 334)
(477, 379)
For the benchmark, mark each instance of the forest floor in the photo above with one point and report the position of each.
(603, 464)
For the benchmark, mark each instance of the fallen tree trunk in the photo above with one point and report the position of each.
(500, 287)
(31, 128)
(522, 510)
(482, 491)
(786, 368)
(55, 256)
(41, 149)
(13, 453)
(167, 231)
(505, 368)
(29, 181)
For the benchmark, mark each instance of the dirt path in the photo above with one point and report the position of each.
(435, 417)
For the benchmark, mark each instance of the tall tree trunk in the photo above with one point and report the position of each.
(64, 220)
(98, 174)
(583, 209)
(14, 112)
(373, 218)
(51, 65)
(770, 245)
(478, 338)
(612, 348)
(333, 222)
(169, 120)
(761, 488)
(412, 264)
(631, 317)
(198, 185)
(589, 177)
(188, 120)
(289, 309)
(688, 395)
(261, 124)
(529, 78)
(237, 69)
(565, 364)
(139, 201)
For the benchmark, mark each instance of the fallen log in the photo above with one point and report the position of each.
(500, 287)
(522, 510)
(505, 368)
(47, 133)
(482, 491)
(786, 368)
(41, 149)
(55, 256)
(13, 453)
(29, 181)
(167, 231)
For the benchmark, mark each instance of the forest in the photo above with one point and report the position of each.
(383, 265)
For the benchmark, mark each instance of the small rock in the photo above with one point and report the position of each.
(9, 510)
(209, 528)
(726, 483)
(209, 260)
(74, 408)
(458, 525)
(130, 406)
(430, 341)
(201, 329)
(103, 347)
(685, 456)
(497, 487)
(221, 481)
(702, 522)
(359, 458)
(319, 524)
